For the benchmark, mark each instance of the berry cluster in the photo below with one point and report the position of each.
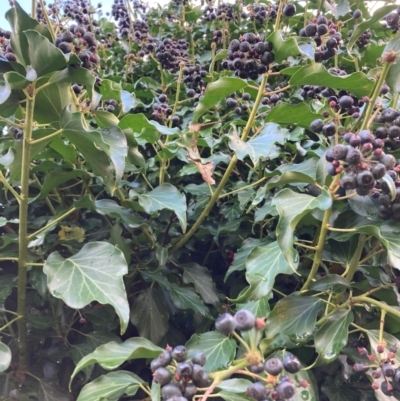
(382, 369)
(170, 53)
(78, 10)
(5, 46)
(364, 39)
(249, 56)
(259, 13)
(162, 112)
(274, 99)
(193, 78)
(239, 104)
(389, 128)
(325, 35)
(109, 105)
(179, 377)
(281, 387)
(222, 12)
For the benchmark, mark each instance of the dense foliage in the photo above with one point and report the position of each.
(200, 201)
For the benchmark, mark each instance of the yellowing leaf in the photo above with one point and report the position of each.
(71, 233)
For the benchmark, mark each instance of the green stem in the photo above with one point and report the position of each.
(46, 16)
(52, 223)
(33, 9)
(355, 261)
(380, 305)
(10, 259)
(185, 238)
(243, 188)
(322, 238)
(9, 122)
(9, 187)
(47, 137)
(395, 100)
(23, 231)
(375, 95)
(278, 16)
(10, 323)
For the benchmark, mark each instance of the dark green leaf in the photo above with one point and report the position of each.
(44, 56)
(283, 48)
(20, 21)
(111, 355)
(332, 336)
(110, 386)
(16, 81)
(155, 391)
(200, 277)
(330, 282)
(219, 349)
(217, 91)
(295, 317)
(93, 274)
(299, 114)
(150, 314)
(234, 385)
(356, 83)
(55, 178)
(6, 284)
(187, 298)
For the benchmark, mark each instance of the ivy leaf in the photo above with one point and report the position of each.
(93, 274)
(165, 196)
(332, 336)
(155, 391)
(283, 48)
(361, 28)
(111, 355)
(234, 385)
(286, 113)
(150, 314)
(6, 284)
(260, 308)
(202, 280)
(49, 390)
(357, 83)
(43, 55)
(56, 178)
(219, 350)
(239, 261)
(111, 386)
(231, 396)
(5, 357)
(262, 145)
(98, 147)
(295, 317)
(187, 298)
(292, 207)
(342, 7)
(330, 282)
(263, 264)
(217, 91)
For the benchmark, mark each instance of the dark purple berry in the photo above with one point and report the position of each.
(245, 320)
(162, 376)
(316, 126)
(179, 353)
(339, 152)
(225, 324)
(273, 366)
(199, 358)
(286, 390)
(291, 363)
(258, 391)
(329, 129)
(378, 171)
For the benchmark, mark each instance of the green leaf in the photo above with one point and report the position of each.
(357, 83)
(341, 392)
(260, 308)
(361, 28)
(234, 385)
(342, 7)
(332, 336)
(110, 387)
(51, 101)
(187, 298)
(43, 55)
(105, 118)
(55, 178)
(299, 114)
(200, 277)
(165, 196)
(295, 317)
(393, 76)
(5, 357)
(263, 264)
(219, 350)
(111, 355)
(330, 282)
(150, 314)
(6, 285)
(155, 391)
(141, 126)
(217, 91)
(283, 48)
(93, 274)
(5, 91)
(16, 81)
(20, 22)
(239, 261)
(262, 146)
(231, 396)
(292, 207)
(98, 147)
(193, 14)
